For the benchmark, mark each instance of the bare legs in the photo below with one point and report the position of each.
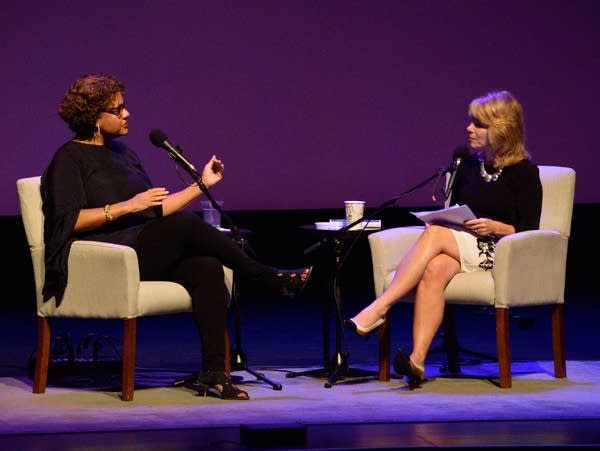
(429, 304)
(429, 265)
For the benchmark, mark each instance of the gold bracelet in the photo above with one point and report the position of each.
(107, 213)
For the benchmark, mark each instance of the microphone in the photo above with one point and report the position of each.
(159, 139)
(459, 154)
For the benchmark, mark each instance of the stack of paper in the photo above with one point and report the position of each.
(455, 215)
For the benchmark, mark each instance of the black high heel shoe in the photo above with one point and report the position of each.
(292, 281)
(217, 383)
(403, 366)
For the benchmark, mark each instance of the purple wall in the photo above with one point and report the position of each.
(308, 102)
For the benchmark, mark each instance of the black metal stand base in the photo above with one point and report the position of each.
(238, 358)
(239, 363)
(319, 373)
(186, 381)
(456, 354)
(340, 372)
(453, 349)
(454, 359)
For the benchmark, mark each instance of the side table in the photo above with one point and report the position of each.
(336, 368)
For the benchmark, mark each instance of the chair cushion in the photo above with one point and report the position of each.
(157, 298)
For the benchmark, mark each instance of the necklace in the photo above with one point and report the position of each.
(484, 174)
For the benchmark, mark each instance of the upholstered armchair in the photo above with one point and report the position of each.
(529, 270)
(94, 266)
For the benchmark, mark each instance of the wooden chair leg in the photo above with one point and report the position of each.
(558, 341)
(503, 342)
(129, 349)
(383, 341)
(42, 356)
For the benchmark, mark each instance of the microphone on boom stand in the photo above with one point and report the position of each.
(459, 154)
(160, 139)
(238, 358)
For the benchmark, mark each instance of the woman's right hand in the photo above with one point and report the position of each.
(92, 218)
(152, 197)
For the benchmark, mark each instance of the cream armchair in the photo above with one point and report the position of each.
(529, 270)
(103, 283)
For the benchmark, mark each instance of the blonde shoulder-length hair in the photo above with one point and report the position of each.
(501, 113)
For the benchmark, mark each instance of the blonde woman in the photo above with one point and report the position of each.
(502, 187)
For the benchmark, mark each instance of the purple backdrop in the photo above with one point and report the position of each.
(308, 102)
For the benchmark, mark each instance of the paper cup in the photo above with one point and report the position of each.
(355, 210)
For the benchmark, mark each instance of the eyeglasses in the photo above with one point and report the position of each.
(477, 123)
(117, 111)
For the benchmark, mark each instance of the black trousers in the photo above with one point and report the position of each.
(183, 248)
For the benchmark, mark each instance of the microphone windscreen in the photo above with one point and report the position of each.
(460, 153)
(158, 137)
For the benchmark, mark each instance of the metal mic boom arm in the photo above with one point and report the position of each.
(178, 157)
(190, 168)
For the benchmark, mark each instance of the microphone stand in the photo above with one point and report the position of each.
(338, 369)
(238, 359)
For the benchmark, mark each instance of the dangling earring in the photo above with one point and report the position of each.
(97, 135)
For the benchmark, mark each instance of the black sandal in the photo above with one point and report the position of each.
(403, 366)
(217, 383)
(293, 281)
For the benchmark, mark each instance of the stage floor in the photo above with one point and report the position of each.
(83, 412)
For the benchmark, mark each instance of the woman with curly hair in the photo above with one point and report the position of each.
(96, 188)
(502, 187)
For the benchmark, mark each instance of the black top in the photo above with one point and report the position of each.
(88, 176)
(515, 198)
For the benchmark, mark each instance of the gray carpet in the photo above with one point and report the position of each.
(536, 394)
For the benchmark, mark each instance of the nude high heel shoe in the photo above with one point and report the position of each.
(363, 331)
(404, 366)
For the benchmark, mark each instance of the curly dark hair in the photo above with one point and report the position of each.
(85, 100)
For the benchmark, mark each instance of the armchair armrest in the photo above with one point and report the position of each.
(532, 258)
(104, 282)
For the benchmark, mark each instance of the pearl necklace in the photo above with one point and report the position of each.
(484, 174)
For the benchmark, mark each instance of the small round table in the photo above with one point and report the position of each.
(335, 369)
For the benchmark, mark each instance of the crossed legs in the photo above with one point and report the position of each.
(428, 266)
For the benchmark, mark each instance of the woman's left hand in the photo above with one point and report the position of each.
(213, 171)
(480, 226)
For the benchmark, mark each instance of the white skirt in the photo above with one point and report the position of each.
(476, 253)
